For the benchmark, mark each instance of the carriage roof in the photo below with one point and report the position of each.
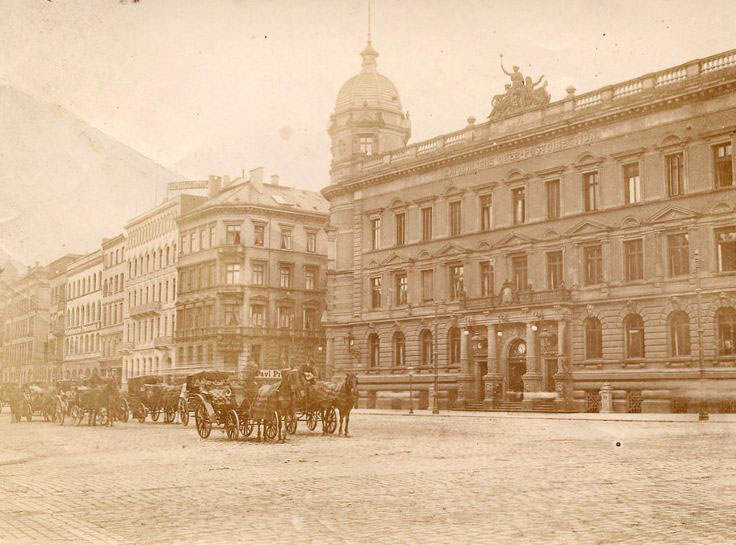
(136, 383)
(208, 376)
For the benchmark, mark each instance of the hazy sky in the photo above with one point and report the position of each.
(214, 86)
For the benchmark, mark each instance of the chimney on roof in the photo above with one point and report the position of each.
(274, 179)
(213, 186)
(256, 179)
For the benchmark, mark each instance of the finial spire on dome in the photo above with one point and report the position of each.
(369, 54)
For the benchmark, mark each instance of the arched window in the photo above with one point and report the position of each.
(593, 339)
(373, 350)
(679, 329)
(726, 320)
(453, 346)
(399, 349)
(425, 348)
(634, 334)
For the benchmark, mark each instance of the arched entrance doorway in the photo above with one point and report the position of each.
(517, 368)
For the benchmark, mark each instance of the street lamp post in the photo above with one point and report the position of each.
(435, 407)
(411, 391)
(703, 409)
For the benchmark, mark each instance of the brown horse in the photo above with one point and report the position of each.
(97, 396)
(346, 400)
(276, 401)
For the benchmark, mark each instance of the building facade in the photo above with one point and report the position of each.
(26, 327)
(57, 312)
(148, 345)
(82, 342)
(579, 253)
(252, 264)
(114, 269)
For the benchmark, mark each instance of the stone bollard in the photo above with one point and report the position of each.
(606, 398)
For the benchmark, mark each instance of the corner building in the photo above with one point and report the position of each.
(252, 268)
(570, 255)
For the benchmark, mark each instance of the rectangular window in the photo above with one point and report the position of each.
(212, 235)
(310, 319)
(726, 249)
(400, 226)
(366, 145)
(519, 272)
(285, 317)
(376, 234)
(427, 223)
(203, 242)
(194, 243)
(723, 165)
(232, 234)
(232, 273)
(257, 315)
(259, 274)
(286, 242)
(311, 242)
(486, 279)
(485, 212)
(455, 219)
(554, 270)
(309, 279)
(593, 261)
(590, 190)
(428, 285)
(259, 234)
(457, 288)
(518, 200)
(553, 199)
(632, 183)
(633, 260)
(285, 276)
(401, 284)
(231, 313)
(679, 254)
(183, 244)
(675, 174)
(376, 292)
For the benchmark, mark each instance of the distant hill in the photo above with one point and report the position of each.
(64, 184)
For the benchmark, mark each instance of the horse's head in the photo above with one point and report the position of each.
(351, 384)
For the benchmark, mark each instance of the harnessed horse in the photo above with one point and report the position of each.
(276, 400)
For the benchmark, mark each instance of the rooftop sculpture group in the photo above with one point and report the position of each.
(521, 94)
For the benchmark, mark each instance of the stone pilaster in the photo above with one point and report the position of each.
(563, 378)
(493, 378)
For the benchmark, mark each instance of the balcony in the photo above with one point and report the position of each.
(231, 250)
(163, 342)
(193, 333)
(146, 309)
(125, 348)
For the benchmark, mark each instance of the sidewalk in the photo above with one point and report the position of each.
(615, 417)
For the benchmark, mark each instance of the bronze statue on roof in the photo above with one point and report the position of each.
(521, 94)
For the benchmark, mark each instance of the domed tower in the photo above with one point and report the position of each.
(368, 118)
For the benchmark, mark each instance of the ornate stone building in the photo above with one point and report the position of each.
(149, 318)
(57, 312)
(252, 267)
(82, 346)
(577, 254)
(114, 302)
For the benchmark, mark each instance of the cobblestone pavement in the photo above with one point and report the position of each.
(398, 479)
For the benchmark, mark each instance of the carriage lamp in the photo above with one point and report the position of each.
(499, 334)
(534, 328)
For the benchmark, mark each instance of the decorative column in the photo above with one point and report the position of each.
(464, 379)
(493, 378)
(532, 378)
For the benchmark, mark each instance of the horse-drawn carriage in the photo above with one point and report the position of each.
(66, 393)
(238, 406)
(99, 399)
(40, 401)
(143, 398)
(321, 402)
(190, 389)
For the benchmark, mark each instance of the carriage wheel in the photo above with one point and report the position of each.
(271, 426)
(123, 411)
(102, 416)
(77, 415)
(155, 413)
(60, 413)
(183, 412)
(290, 423)
(140, 413)
(169, 415)
(311, 420)
(232, 425)
(203, 422)
(329, 420)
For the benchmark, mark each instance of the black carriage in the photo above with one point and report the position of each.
(190, 389)
(40, 400)
(137, 400)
